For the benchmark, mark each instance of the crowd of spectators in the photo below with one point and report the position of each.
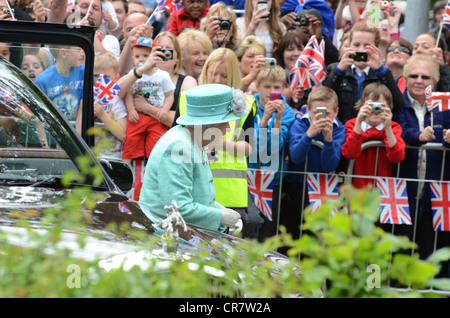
(231, 43)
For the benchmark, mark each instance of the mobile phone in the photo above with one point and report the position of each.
(263, 4)
(275, 95)
(360, 56)
(322, 111)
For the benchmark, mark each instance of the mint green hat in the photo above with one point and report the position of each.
(213, 104)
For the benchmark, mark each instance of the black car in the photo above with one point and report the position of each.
(39, 145)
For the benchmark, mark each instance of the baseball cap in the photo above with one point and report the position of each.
(144, 42)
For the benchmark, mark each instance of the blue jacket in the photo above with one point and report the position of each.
(319, 160)
(406, 117)
(268, 145)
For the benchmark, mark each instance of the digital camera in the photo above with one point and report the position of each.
(168, 54)
(360, 56)
(376, 107)
(385, 5)
(224, 23)
(302, 19)
(270, 62)
(8, 11)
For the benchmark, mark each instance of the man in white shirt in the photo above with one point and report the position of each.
(102, 43)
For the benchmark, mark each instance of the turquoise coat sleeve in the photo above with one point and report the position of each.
(176, 170)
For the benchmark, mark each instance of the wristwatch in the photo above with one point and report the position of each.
(136, 74)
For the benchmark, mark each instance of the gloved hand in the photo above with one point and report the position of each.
(237, 228)
(230, 218)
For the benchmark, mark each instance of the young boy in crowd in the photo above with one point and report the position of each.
(272, 122)
(321, 124)
(155, 88)
(188, 16)
(114, 114)
(63, 82)
(359, 66)
(374, 122)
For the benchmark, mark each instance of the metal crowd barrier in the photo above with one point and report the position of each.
(348, 176)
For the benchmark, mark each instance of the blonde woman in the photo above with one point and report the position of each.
(167, 40)
(195, 48)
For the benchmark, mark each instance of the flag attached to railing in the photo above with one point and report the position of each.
(322, 187)
(260, 186)
(440, 205)
(394, 201)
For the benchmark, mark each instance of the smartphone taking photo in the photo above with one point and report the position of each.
(322, 111)
(263, 4)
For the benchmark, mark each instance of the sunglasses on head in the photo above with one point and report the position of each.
(400, 48)
(416, 76)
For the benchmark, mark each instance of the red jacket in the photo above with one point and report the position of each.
(180, 20)
(365, 160)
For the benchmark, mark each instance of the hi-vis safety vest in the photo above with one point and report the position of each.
(230, 171)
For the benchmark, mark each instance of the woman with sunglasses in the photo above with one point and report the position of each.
(419, 128)
(425, 43)
(398, 52)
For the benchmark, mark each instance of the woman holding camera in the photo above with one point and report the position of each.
(220, 26)
(262, 18)
(168, 41)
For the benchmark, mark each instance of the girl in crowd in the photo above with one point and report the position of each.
(264, 23)
(250, 53)
(167, 40)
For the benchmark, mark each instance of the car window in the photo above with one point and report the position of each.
(33, 148)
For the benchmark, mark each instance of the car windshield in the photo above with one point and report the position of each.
(37, 145)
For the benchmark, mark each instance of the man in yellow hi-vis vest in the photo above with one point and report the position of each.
(229, 168)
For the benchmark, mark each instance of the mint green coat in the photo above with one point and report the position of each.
(177, 169)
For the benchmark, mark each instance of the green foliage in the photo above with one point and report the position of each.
(341, 256)
(355, 257)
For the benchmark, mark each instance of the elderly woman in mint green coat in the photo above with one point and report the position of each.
(178, 168)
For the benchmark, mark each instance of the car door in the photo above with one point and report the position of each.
(23, 37)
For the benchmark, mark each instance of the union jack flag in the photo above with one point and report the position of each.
(440, 205)
(428, 96)
(6, 95)
(309, 69)
(446, 16)
(439, 102)
(260, 185)
(123, 208)
(169, 5)
(322, 187)
(394, 201)
(105, 90)
(138, 169)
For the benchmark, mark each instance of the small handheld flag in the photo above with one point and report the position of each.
(105, 90)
